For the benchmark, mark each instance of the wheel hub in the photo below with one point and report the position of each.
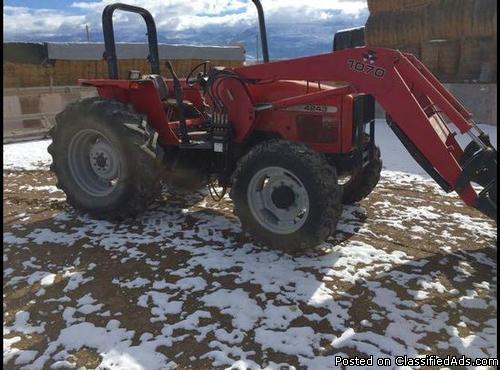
(278, 200)
(102, 160)
(283, 197)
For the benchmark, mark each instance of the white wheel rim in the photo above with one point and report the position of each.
(278, 200)
(93, 163)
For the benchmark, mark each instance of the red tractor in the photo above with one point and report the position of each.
(292, 149)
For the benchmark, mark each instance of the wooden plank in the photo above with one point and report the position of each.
(67, 72)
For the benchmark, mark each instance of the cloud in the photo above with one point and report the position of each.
(22, 21)
(195, 21)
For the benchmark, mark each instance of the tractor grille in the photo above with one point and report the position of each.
(363, 113)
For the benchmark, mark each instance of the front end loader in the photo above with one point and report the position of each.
(291, 148)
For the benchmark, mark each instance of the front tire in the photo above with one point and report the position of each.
(286, 195)
(106, 158)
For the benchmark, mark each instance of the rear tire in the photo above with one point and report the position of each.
(286, 195)
(106, 158)
(362, 184)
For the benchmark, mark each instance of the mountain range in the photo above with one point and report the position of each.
(285, 40)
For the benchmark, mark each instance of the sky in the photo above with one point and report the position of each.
(295, 27)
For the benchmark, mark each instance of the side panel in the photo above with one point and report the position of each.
(316, 122)
(317, 125)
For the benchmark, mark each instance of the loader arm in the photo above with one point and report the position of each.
(416, 104)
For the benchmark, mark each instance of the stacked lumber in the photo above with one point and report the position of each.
(456, 39)
(376, 6)
(67, 72)
(26, 66)
(441, 57)
(478, 59)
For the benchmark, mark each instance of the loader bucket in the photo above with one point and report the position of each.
(480, 168)
(477, 163)
(487, 201)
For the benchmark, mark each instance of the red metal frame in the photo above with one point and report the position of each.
(400, 83)
(399, 89)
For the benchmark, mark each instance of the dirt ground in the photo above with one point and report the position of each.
(411, 271)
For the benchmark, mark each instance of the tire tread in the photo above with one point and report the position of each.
(324, 175)
(147, 163)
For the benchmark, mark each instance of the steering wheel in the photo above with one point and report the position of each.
(191, 81)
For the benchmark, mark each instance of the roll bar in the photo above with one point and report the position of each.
(263, 32)
(153, 57)
(109, 37)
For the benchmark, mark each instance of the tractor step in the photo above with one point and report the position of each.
(197, 145)
(198, 135)
(197, 140)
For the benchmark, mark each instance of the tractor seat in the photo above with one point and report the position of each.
(160, 85)
(163, 91)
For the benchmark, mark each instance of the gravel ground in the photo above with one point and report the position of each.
(411, 271)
